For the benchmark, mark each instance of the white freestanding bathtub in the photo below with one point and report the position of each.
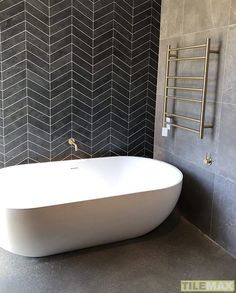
(50, 208)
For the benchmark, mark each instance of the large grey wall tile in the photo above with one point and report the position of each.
(229, 90)
(172, 18)
(223, 229)
(233, 12)
(196, 197)
(197, 193)
(226, 157)
(205, 14)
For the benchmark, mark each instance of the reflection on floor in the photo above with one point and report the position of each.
(155, 262)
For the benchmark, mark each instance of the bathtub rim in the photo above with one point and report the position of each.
(179, 181)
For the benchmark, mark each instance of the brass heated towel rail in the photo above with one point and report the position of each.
(172, 56)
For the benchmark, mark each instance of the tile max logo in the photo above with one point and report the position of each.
(207, 286)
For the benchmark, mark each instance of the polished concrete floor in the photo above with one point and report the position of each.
(155, 262)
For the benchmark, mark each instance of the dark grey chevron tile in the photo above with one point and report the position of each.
(120, 105)
(15, 124)
(121, 59)
(63, 23)
(107, 26)
(101, 136)
(60, 15)
(82, 63)
(60, 53)
(61, 71)
(37, 114)
(39, 106)
(13, 89)
(102, 113)
(13, 50)
(4, 5)
(118, 120)
(137, 83)
(100, 4)
(37, 13)
(61, 140)
(120, 89)
(126, 6)
(84, 99)
(6, 64)
(38, 149)
(15, 19)
(87, 3)
(16, 39)
(99, 23)
(100, 127)
(103, 88)
(38, 80)
(13, 108)
(120, 72)
(38, 98)
(103, 10)
(120, 79)
(60, 62)
(82, 89)
(59, 132)
(45, 135)
(83, 9)
(16, 29)
(10, 10)
(42, 7)
(128, 17)
(142, 32)
(119, 135)
(38, 89)
(79, 25)
(78, 14)
(79, 43)
(58, 125)
(58, 36)
(63, 105)
(99, 66)
(37, 60)
(101, 147)
(117, 96)
(62, 153)
(99, 74)
(101, 82)
(33, 20)
(60, 80)
(80, 113)
(103, 37)
(61, 43)
(82, 54)
(62, 88)
(37, 122)
(13, 136)
(14, 79)
(79, 105)
(17, 158)
(60, 6)
(37, 70)
(40, 35)
(102, 105)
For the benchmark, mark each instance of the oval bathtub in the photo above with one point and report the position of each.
(50, 208)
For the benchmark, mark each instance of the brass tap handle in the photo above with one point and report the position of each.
(208, 160)
(72, 142)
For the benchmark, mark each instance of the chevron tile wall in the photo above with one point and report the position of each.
(77, 68)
